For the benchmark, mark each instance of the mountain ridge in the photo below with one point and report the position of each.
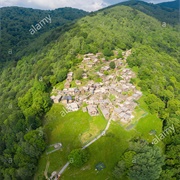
(171, 4)
(158, 11)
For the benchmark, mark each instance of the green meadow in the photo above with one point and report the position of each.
(76, 129)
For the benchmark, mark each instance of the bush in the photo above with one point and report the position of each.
(78, 157)
(108, 52)
(112, 65)
(78, 74)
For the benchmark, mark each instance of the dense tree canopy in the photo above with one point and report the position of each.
(141, 162)
(16, 23)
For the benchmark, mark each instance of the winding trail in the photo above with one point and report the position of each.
(64, 168)
(87, 145)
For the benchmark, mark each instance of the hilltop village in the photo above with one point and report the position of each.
(110, 92)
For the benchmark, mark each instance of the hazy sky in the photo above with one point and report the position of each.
(88, 5)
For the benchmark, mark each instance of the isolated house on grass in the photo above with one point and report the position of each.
(58, 145)
(100, 166)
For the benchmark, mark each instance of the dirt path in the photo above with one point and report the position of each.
(64, 168)
(46, 170)
(87, 145)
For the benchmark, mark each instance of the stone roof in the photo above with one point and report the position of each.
(72, 106)
(67, 98)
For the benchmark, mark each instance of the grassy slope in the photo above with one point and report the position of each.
(108, 149)
(69, 131)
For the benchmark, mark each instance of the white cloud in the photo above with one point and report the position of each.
(87, 5)
(150, 1)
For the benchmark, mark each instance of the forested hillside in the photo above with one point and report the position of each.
(16, 23)
(25, 86)
(171, 4)
(163, 13)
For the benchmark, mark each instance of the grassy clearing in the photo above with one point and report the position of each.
(77, 128)
(96, 126)
(70, 131)
(148, 123)
(107, 150)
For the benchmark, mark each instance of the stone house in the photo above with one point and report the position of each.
(84, 76)
(85, 88)
(72, 107)
(58, 145)
(89, 101)
(70, 74)
(83, 97)
(95, 61)
(53, 97)
(69, 78)
(86, 59)
(53, 175)
(57, 99)
(66, 99)
(105, 111)
(78, 82)
(110, 77)
(90, 54)
(67, 85)
(71, 91)
(105, 68)
(100, 74)
(98, 54)
(92, 89)
(92, 110)
(84, 109)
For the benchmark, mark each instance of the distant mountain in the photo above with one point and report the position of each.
(172, 4)
(17, 24)
(160, 12)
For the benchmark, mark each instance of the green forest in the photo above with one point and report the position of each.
(29, 76)
(16, 23)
